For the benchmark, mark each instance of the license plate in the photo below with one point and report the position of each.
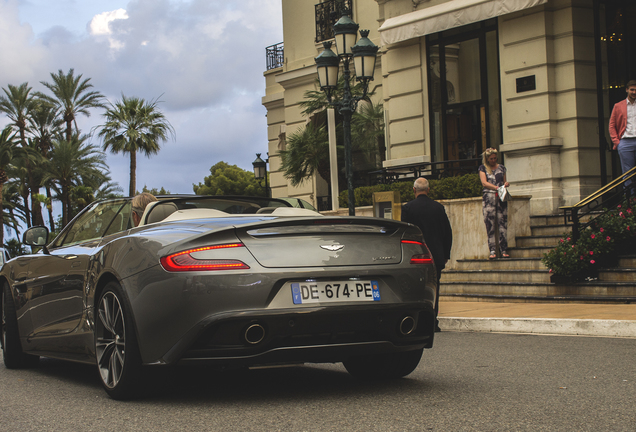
(325, 292)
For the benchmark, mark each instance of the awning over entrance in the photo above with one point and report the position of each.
(448, 15)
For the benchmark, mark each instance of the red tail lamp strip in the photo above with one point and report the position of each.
(420, 259)
(184, 261)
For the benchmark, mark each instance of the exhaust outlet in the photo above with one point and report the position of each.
(254, 334)
(407, 325)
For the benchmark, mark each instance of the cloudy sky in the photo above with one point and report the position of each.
(204, 58)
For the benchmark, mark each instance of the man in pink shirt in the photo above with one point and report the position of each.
(622, 129)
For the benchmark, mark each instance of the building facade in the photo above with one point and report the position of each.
(535, 79)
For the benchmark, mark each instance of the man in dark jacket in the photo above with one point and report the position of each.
(431, 218)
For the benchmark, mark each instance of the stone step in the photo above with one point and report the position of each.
(627, 261)
(551, 230)
(500, 264)
(512, 276)
(558, 219)
(543, 240)
(601, 290)
(543, 220)
(529, 252)
(617, 275)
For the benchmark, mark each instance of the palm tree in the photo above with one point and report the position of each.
(7, 147)
(307, 153)
(17, 103)
(72, 96)
(70, 164)
(367, 130)
(307, 149)
(44, 124)
(13, 214)
(134, 125)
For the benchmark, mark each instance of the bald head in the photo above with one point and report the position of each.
(420, 186)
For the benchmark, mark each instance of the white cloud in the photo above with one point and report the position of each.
(100, 27)
(100, 24)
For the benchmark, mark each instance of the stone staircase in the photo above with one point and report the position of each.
(523, 277)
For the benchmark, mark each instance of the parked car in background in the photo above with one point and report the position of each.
(226, 281)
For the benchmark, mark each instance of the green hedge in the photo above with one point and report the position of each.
(466, 186)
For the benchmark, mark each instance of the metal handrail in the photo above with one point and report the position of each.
(620, 180)
(609, 197)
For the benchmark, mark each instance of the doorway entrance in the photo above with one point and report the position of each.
(464, 95)
(615, 49)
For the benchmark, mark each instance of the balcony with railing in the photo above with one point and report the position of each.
(327, 14)
(275, 56)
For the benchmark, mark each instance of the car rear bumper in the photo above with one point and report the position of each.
(320, 334)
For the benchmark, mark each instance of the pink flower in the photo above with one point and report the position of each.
(561, 240)
(629, 211)
(619, 206)
(591, 252)
(602, 230)
(592, 262)
(621, 215)
(593, 236)
(627, 227)
(568, 238)
(608, 238)
(582, 257)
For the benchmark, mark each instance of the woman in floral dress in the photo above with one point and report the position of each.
(493, 175)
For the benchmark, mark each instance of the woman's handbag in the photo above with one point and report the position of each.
(503, 193)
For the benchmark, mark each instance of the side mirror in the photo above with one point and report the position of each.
(36, 236)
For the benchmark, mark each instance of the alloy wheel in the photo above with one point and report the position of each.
(111, 339)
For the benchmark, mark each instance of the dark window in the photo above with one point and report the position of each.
(327, 14)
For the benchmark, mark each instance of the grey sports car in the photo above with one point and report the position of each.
(229, 281)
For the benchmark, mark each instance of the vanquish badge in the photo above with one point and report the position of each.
(333, 247)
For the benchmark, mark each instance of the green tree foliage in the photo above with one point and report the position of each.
(13, 213)
(15, 248)
(307, 153)
(134, 125)
(154, 191)
(225, 179)
(7, 149)
(18, 103)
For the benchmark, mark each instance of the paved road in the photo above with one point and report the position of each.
(468, 382)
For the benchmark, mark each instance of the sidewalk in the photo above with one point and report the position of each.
(589, 319)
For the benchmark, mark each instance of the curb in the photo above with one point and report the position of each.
(546, 326)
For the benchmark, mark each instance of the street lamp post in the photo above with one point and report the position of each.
(260, 171)
(363, 54)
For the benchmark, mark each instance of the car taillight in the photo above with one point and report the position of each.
(184, 261)
(424, 258)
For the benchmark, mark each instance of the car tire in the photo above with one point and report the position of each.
(384, 366)
(14, 357)
(116, 349)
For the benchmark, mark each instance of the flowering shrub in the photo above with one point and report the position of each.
(595, 245)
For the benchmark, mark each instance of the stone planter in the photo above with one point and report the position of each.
(469, 232)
